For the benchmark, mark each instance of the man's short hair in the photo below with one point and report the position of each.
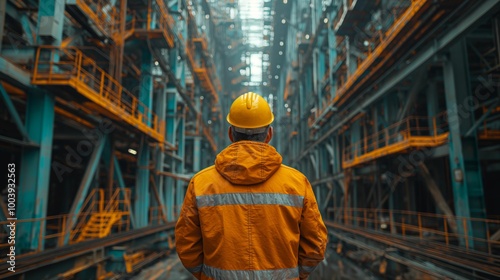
(258, 137)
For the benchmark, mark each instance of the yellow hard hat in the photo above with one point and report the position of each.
(250, 110)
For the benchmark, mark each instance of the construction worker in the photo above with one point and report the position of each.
(249, 216)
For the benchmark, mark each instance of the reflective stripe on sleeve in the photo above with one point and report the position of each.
(250, 198)
(221, 274)
(195, 269)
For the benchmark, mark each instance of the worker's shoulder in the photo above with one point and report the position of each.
(205, 172)
(292, 171)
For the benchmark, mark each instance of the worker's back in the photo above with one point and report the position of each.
(257, 218)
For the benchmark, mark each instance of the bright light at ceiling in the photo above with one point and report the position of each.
(251, 14)
(132, 151)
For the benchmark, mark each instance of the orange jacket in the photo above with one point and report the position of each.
(250, 217)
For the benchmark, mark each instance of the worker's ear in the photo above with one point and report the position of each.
(269, 134)
(230, 134)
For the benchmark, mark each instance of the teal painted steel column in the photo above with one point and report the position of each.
(146, 85)
(181, 140)
(432, 105)
(465, 167)
(197, 139)
(36, 162)
(32, 196)
(141, 195)
(332, 47)
(171, 138)
(160, 110)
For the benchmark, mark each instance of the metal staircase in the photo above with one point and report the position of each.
(99, 225)
(100, 222)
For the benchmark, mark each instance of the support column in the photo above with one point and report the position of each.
(160, 110)
(432, 106)
(332, 46)
(171, 138)
(142, 197)
(181, 140)
(34, 173)
(465, 168)
(146, 85)
(35, 162)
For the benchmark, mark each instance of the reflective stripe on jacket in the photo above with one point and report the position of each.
(250, 217)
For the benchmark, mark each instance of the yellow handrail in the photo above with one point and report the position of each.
(411, 132)
(412, 224)
(74, 69)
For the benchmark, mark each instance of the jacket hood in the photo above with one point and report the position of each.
(248, 162)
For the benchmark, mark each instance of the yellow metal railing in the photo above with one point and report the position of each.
(489, 134)
(372, 58)
(412, 132)
(69, 67)
(102, 13)
(156, 216)
(56, 225)
(419, 225)
(102, 222)
(164, 23)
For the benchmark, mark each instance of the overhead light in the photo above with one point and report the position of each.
(207, 16)
(229, 47)
(230, 68)
(366, 43)
(285, 1)
(286, 105)
(281, 43)
(156, 63)
(278, 66)
(132, 151)
(307, 36)
(202, 97)
(283, 21)
(276, 77)
(280, 53)
(325, 20)
(209, 121)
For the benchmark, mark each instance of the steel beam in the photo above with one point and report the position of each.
(466, 178)
(470, 21)
(35, 171)
(83, 189)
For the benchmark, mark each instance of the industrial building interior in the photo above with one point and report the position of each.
(391, 108)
